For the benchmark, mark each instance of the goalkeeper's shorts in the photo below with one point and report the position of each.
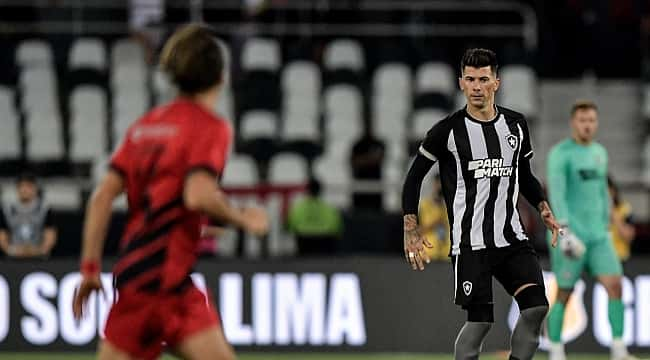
(599, 259)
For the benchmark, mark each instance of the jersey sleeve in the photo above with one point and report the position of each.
(119, 159)
(557, 184)
(435, 142)
(208, 150)
(49, 220)
(526, 145)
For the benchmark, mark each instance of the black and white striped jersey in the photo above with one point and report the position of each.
(478, 163)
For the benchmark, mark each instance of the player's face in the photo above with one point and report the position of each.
(479, 86)
(26, 191)
(585, 124)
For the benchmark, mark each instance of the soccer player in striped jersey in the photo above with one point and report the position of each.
(484, 153)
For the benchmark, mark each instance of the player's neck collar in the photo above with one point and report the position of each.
(484, 122)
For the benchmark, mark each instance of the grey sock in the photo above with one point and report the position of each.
(525, 336)
(469, 340)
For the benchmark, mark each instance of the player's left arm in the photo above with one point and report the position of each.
(530, 186)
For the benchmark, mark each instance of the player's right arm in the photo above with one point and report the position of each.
(206, 159)
(98, 215)
(427, 155)
(202, 194)
(556, 176)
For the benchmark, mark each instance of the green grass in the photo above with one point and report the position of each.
(296, 356)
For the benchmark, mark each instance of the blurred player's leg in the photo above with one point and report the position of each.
(555, 320)
(110, 352)
(616, 312)
(209, 344)
(533, 307)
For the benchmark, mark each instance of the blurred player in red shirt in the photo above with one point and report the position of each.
(168, 164)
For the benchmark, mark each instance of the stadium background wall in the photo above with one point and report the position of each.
(341, 304)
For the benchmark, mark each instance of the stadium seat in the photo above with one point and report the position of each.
(519, 89)
(38, 78)
(645, 101)
(344, 54)
(334, 175)
(300, 126)
(261, 54)
(87, 53)
(44, 136)
(301, 77)
(88, 123)
(436, 77)
(240, 171)
(10, 137)
(288, 169)
(459, 100)
(130, 103)
(127, 51)
(344, 100)
(390, 123)
(225, 106)
(163, 89)
(423, 121)
(258, 124)
(392, 78)
(34, 53)
(128, 76)
(7, 101)
(88, 100)
(62, 195)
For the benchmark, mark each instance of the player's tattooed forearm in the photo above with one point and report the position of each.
(410, 222)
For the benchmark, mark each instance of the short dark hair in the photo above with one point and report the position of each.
(583, 105)
(26, 177)
(478, 58)
(193, 59)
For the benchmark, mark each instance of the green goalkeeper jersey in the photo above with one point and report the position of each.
(577, 188)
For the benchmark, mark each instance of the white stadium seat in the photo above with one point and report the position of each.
(288, 169)
(225, 106)
(261, 54)
(62, 195)
(300, 126)
(128, 76)
(436, 77)
(87, 53)
(519, 89)
(10, 137)
(38, 78)
(344, 54)
(423, 121)
(335, 177)
(88, 123)
(258, 124)
(301, 76)
(44, 136)
(34, 53)
(127, 51)
(392, 78)
(240, 171)
(344, 100)
(7, 101)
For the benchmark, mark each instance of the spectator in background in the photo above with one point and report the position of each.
(366, 160)
(621, 226)
(316, 224)
(26, 228)
(434, 225)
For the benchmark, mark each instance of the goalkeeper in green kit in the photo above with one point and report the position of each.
(578, 193)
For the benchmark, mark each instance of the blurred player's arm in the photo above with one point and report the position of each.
(557, 185)
(202, 194)
(98, 215)
(4, 241)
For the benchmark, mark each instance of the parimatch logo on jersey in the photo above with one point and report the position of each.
(484, 168)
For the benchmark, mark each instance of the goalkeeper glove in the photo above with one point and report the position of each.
(572, 247)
